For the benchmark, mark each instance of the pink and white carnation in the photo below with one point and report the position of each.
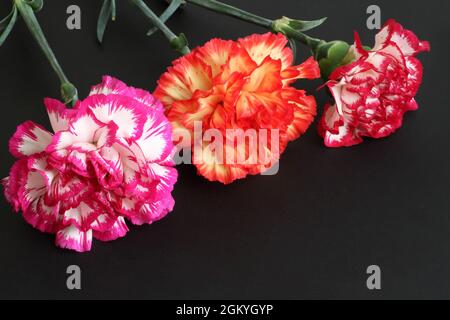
(109, 160)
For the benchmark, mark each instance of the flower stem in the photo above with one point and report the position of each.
(68, 90)
(226, 9)
(310, 42)
(273, 25)
(179, 43)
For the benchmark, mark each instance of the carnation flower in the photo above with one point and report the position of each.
(242, 86)
(108, 161)
(373, 92)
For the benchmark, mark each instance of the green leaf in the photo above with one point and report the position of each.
(35, 4)
(7, 24)
(4, 22)
(293, 46)
(113, 10)
(171, 9)
(289, 26)
(302, 26)
(105, 14)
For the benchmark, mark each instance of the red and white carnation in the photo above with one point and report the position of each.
(373, 93)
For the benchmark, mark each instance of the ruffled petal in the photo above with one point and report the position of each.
(155, 142)
(330, 121)
(405, 39)
(211, 165)
(345, 137)
(118, 230)
(74, 239)
(81, 216)
(307, 70)
(146, 98)
(29, 139)
(109, 85)
(82, 130)
(113, 86)
(33, 188)
(42, 217)
(165, 177)
(265, 78)
(128, 114)
(266, 45)
(58, 114)
(216, 53)
(304, 109)
(239, 62)
(187, 75)
(153, 211)
(15, 180)
(108, 167)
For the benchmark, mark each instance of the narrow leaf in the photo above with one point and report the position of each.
(105, 14)
(171, 9)
(302, 26)
(4, 22)
(293, 46)
(7, 24)
(113, 10)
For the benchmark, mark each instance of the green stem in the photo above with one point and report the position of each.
(226, 9)
(273, 25)
(178, 42)
(312, 43)
(68, 90)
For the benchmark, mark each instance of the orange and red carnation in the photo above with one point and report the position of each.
(240, 87)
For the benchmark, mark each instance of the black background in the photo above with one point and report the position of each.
(308, 232)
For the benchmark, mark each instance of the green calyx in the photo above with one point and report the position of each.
(69, 93)
(36, 5)
(332, 55)
(293, 30)
(180, 44)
